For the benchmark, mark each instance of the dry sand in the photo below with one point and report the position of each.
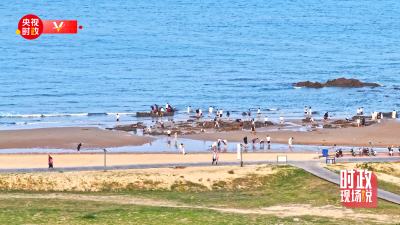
(20, 161)
(384, 134)
(68, 138)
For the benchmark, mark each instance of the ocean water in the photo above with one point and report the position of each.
(234, 55)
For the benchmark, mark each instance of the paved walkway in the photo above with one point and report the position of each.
(330, 176)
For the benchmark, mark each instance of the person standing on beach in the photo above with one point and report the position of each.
(215, 158)
(183, 149)
(358, 111)
(148, 131)
(254, 142)
(249, 113)
(78, 149)
(305, 110)
(201, 113)
(394, 114)
(50, 162)
(220, 113)
(326, 117)
(117, 118)
(358, 122)
(162, 111)
(225, 143)
(266, 121)
(363, 122)
(290, 142)
(269, 140)
(228, 115)
(188, 111)
(210, 109)
(176, 136)
(245, 141)
(169, 134)
(214, 146)
(259, 113)
(310, 111)
(167, 105)
(362, 111)
(241, 123)
(281, 119)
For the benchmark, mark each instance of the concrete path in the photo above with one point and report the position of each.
(321, 172)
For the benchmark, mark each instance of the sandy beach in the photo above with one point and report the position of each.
(68, 138)
(383, 134)
(21, 161)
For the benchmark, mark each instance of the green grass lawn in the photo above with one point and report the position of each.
(289, 185)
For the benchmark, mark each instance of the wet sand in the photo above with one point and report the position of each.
(382, 135)
(69, 138)
(24, 161)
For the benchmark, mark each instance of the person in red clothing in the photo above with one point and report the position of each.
(50, 162)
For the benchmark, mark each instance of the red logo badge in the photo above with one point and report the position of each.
(358, 188)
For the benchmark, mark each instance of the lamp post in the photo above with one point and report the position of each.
(105, 151)
(370, 151)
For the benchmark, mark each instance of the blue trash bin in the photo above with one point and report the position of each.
(325, 152)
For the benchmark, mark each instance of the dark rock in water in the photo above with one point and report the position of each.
(244, 113)
(397, 88)
(340, 82)
(360, 90)
(327, 126)
(149, 114)
(127, 128)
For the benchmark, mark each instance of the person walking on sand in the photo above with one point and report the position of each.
(249, 113)
(228, 115)
(169, 134)
(266, 121)
(290, 142)
(188, 110)
(210, 109)
(183, 149)
(269, 140)
(281, 119)
(245, 141)
(394, 114)
(215, 158)
(50, 162)
(305, 110)
(117, 118)
(78, 149)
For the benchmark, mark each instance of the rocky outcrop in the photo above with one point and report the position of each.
(340, 82)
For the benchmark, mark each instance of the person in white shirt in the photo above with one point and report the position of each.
(310, 111)
(290, 142)
(214, 146)
(162, 111)
(189, 110)
(166, 106)
(148, 131)
(305, 110)
(269, 140)
(394, 114)
(225, 143)
(117, 118)
(201, 113)
(266, 121)
(362, 111)
(210, 109)
(169, 134)
(281, 119)
(358, 122)
(220, 113)
(183, 149)
(259, 112)
(215, 158)
(358, 111)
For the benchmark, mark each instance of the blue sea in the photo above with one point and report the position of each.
(233, 55)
